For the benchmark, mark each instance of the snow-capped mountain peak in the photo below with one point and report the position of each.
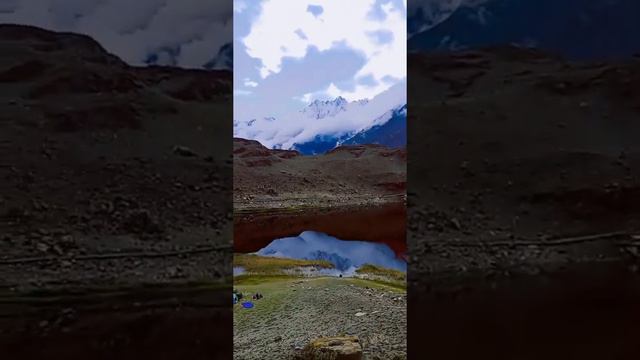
(323, 124)
(249, 123)
(426, 14)
(574, 29)
(319, 109)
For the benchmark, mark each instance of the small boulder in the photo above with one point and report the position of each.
(335, 348)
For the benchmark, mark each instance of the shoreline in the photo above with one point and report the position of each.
(385, 223)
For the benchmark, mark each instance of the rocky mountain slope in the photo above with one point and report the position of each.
(352, 192)
(521, 158)
(391, 133)
(98, 158)
(388, 129)
(597, 29)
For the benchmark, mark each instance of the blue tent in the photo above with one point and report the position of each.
(247, 304)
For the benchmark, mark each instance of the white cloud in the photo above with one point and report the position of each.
(134, 29)
(275, 35)
(249, 83)
(306, 98)
(239, 6)
(295, 128)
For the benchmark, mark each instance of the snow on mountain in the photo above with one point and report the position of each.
(425, 14)
(319, 109)
(389, 130)
(577, 29)
(323, 123)
(223, 60)
(344, 255)
(250, 123)
(170, 56)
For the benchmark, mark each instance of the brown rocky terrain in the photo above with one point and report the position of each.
(523, 206)
(518, 148)
(111, 176)
(299, 312)
(352, 192)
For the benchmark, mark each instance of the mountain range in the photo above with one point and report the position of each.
(323, 125)
(389, 130)
(576, 29)
(168, 56)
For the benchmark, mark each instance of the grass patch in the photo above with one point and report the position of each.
(395, 286)
(268, 265)
(251, 279)
(277, 294)
(377, 271)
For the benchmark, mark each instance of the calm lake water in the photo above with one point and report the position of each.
(346, 255)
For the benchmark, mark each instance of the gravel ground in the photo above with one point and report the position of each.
(294, 312)
(519, 159)
(97, 190)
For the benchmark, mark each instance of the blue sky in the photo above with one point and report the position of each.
(289, 53)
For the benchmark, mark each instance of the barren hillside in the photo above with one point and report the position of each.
(98, 157)
(524, 152)
(352, 192)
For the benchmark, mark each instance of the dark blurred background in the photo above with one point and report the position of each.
(115, 179)
(523, 179)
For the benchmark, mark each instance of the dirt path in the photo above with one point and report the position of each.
(293, 312)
